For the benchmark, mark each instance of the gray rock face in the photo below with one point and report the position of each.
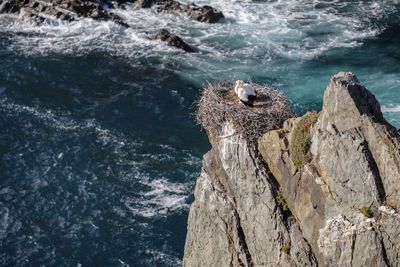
(235, 219)
(351, 109)
(236, 215)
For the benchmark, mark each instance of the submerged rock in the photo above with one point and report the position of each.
(173, 40)
(237, 218)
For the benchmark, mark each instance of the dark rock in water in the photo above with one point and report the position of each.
(11, 6)
(144, 3)
(62, 9)
(173, 40)
(203, 14)
(167, 5)
(70, 9)
(95, 11)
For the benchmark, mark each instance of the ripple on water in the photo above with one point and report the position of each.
(87, 184)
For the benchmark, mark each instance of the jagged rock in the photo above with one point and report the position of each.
(348, 107)
(69, 10)
(203, 14)
(173, 40)
(355, 164)
(235, 219)
(62, 9)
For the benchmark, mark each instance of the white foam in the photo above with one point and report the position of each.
(160, 196)
(180, 99)
(163, 198)
(64, 123)
(286, 27)
(123, 263)
(391, 108)
(166, 259)
(46, 116)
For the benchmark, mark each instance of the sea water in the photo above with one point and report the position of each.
(98, 143)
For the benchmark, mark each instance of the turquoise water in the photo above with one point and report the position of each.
(99, 148)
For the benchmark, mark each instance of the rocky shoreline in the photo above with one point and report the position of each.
(38, 11)
(323, 190)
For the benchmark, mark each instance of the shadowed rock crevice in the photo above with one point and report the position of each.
(375, 172)
(264, 171)
(384, 256)
(242, 242)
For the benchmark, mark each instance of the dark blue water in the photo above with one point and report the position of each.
(99, 149)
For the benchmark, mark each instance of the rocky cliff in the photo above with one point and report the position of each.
(321, 191)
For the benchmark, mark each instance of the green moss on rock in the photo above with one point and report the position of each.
(286, 249)
(282, 202)
(367, 212)
(300, 143)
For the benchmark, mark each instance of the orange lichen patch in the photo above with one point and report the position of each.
(281, 132)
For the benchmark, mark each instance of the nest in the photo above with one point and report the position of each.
(218, 104)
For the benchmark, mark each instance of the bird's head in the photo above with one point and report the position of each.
(239, 83)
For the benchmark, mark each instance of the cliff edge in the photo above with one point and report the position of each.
(320, 190)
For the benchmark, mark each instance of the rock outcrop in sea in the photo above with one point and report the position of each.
(69, 10)
(173, 40)
(39, 11)
(322, 190)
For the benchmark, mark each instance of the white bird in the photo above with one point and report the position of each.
(245, 92)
